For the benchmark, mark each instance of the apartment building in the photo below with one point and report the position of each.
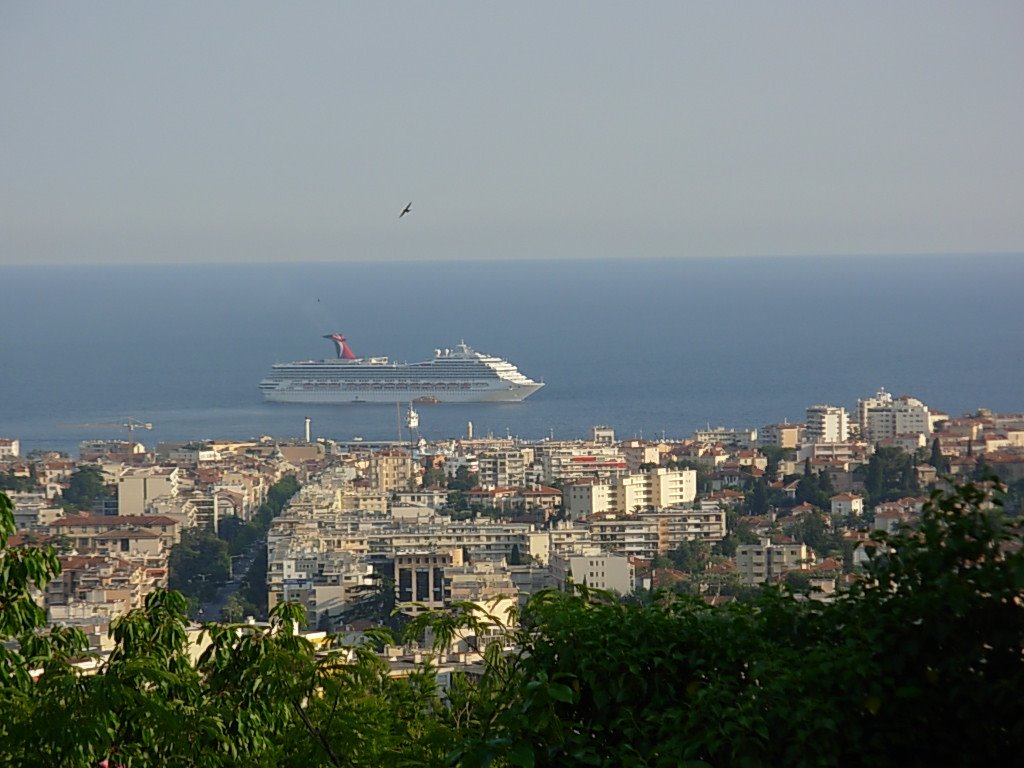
(420, 581)
(328, 595)
(855, 451)
(192, 454)
(727, 436)
(626, 536)
(138, 547)
(138, 486)
(245, 488)
(435, 498)
(479, 582)
(679, 524)
(503, 469)
(827, 424)
(481, 541)
(639, 453)
(362, 500)
(82, 529)
(595, 569)
(766, 561)
(92, 586)
(880, 399)
(541, 497)
(896, 416)
(656, 488)
(560, 539)
(390, 470)
(574, 461)
(668, 488)
(786, 436)
(33, 511)
(847, 505)
(583, 498)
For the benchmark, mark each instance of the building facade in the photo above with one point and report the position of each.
(767, 562)
(827, 424)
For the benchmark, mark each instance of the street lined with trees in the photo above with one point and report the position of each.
(201, 563)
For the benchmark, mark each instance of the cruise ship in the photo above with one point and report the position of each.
(459, 375)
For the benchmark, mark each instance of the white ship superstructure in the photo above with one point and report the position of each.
(459, 375)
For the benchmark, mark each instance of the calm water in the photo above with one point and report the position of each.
(642, 345)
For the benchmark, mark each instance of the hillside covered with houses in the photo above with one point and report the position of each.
(717, 514)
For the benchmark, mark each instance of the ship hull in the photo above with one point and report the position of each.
(511, 393)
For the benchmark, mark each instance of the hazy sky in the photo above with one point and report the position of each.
(223, 131)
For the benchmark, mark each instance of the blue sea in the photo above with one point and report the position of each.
(649, 347)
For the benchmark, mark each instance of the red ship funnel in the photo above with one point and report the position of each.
(344, 352)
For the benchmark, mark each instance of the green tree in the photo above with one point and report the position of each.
(234, 609)
(826, 488)
(813, 530)
(808, 489)
(11, 482)
(775, 456)
(464, 480)
(739, 528)
(726, 547)
(198, 563)
(890, 474)
(937, 460)
(22, 620)
(691, 556)
(257, 696)
(815, 488)
(433, 476)
(757, 500)
(981, 470)
(514, 557)
(457, 501)
(85, 487)
(920, 662)
(281, 492)
(253, 590)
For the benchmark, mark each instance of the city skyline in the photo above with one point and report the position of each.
(260, 133)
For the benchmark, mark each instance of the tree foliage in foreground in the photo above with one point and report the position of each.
(919, 663)
(255, 696)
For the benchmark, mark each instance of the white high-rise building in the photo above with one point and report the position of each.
(880, 399)
(656, 488)
(827, 424)
(884, 416)
(502, 469)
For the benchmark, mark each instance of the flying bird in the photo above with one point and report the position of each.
(406, 209)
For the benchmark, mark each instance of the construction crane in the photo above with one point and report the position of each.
(132, 424)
